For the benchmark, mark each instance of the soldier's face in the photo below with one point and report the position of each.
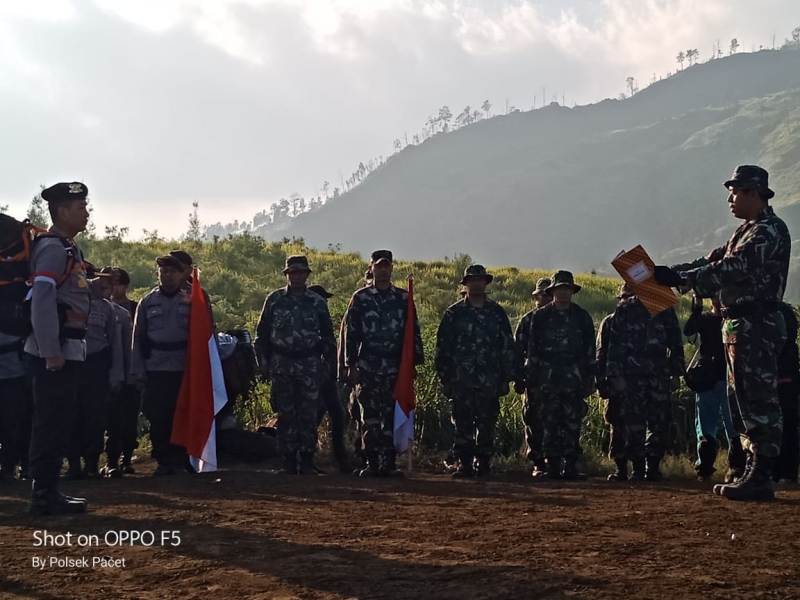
(744, 203)
(382, 271)
(542, 300)
(170, 278)
(562, 295)
(74, 216)
(120, 289)
(101, 287)
(297, 278)
(476, 285)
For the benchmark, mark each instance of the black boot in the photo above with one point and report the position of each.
(621, 474)
(737, 461)
(638, 473)
(464, 470)
(372, 467)
(653, 472)
(307, 466)
(706, 455)
(290, 465)
(571, 472)
(733, 480)
(483, 466)
(388, 465)
(49, 501)
(538, 468)
(552, 468)
(127, 468)
(112, 470)
(756, 485)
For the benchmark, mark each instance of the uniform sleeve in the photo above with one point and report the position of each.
(48, 265)
(328, 338)
(521, 342)
(590, 341)
(116, 374)
(531, 353)
(442, 360)
(602, 348)
(262, 341)
(750, 255)
(352, 333)
(677, 362)
(614, 353)
(139, 340)
(508, 349)
(714, 255)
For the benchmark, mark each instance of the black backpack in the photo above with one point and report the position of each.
(17, 239)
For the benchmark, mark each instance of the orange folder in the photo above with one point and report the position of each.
(637, 268)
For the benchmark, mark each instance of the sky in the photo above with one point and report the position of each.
(155, 104)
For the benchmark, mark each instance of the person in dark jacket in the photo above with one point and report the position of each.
(788, 379)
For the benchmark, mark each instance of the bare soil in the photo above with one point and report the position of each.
(253, 533)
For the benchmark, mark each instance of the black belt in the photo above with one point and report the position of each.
(13, 347)
(167, 346)
(748, 309)
(71, 333)
(315, 351)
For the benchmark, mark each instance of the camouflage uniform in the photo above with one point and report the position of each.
(295, 339)
(644, 352)
(561, 365)
(749, 274)
(475, 360)
(372, 342)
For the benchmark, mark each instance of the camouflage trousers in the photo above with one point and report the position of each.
(474, 419)
(532, 418)
(640, 419)
(295, 397)
(375, 394)
(752, 346)
(562, 416)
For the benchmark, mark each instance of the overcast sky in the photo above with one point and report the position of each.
(235, 103)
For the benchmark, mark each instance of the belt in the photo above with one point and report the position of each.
(167, 346)
(749, 309)
(72, 333)
(315, 351)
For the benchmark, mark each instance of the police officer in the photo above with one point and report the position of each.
(60, 301)
(297, 352)
(373, 342)
(331, 404)
(158, 357)
(561, 368)
(475, 360)
(125, 402)
(532, 409)
(749, 274)
(103, 371)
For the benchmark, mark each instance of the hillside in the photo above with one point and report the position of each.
(572, 186)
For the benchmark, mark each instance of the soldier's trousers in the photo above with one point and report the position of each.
(329, 394)
(562, 417)
(790, 449)
(640, 419)
(123, 422)
(13, 408)
(295, 396)
(752, 346)
(88, 420)
(474, 419)
(532, 418)
(55, 397)
(376, 406)
(158, 404)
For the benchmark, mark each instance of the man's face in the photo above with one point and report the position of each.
(382, 271)
(297, 279)
(562, 294)
(542, 299)
(744, 203)
(74, 215)
(475, 285)
(170, 277)
(101, 287)
(120, 290)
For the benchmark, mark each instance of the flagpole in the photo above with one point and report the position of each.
(410, 461)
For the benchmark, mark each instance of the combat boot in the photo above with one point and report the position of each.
(538, 469)
(638, 473)
(372, 467)
(290, 465)
(621, 474)
(732, 480)
(756, 485)
(307, 466)
(127, 468)
(49, 501)
(706, 455)
(483, 466)
(653, 472)
(571, 472)
(552, 468)
(464, 469)
(388, 466)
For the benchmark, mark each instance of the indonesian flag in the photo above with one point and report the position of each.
(404, 396)
(202, 393)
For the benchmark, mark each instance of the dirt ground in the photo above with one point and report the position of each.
(257, 534)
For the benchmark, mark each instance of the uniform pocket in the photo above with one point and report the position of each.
(155, 317)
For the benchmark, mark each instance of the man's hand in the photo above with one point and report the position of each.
(668, 277)
(54, 363)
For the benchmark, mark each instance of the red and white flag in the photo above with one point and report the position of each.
(202, 393)
(404, 395)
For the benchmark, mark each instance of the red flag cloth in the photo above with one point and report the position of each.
(202, 392)
(404, 395)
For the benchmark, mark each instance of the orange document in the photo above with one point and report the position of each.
(637, 268)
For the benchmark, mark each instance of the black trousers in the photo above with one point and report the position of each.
(160, 397)
(789, 458)
(15, 422)
(88, 421)
(123, 422)
(55, 398)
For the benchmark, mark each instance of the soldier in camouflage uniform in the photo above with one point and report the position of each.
(475, 360)
(532, 409)
(637, 355)
(749, 274)
(297, 351)
(372, 342)
(561, 369)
